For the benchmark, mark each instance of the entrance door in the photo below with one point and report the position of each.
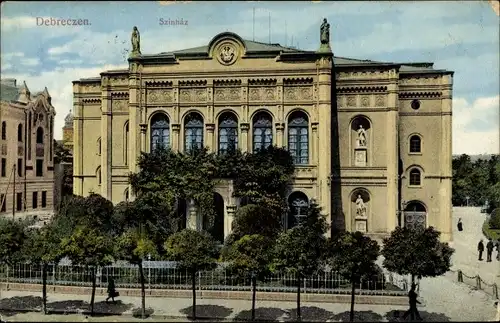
(415, 215)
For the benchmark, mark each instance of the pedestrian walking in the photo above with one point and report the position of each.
(112, 293)
(498, 250)
(460, 226)
(480, 249)
(413, 311)
(489, 250)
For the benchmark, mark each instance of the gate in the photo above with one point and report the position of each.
(414, 219)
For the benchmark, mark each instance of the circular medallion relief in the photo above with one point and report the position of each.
(227, 53)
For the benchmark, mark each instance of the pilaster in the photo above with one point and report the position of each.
(134, 118)
(143, 127)
(106, 138)
(210, 127)
(392, 150)
(446, 160)
(78, 141)
(176, 128)
(228, 225)
(280, 128)
(244, 136)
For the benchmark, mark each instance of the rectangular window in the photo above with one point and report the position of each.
(3, 202)
(39, 167)
(35, 200)
(20, 167)
(4, 167)
(44, 198)
(19, 201)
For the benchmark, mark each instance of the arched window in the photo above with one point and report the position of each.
(39, 135)
(4, 131)
(98, 175)
(126, 140)
(126, 195)
(415, 144)
(415, 177)
(20, 133)
(99, 147)
(193, 132)
(160, 131)
(298, 138)
(228, 133)
(262, 131)
(298, 204)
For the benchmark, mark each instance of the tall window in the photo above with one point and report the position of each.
(4, 130)
(98, 175)
(20, 133)
(415, 177)
(44, 199)
(39, 167)
(415, 144)
(228, 133)
(99, 146)
(298, 204)
(4, 167)
(262, 131)
(20, 167)
(35, 200)
(29, 135)
(160, 132)
(193, 132)
(298, 138)
(39, 135)
(19, 201)
(125, 155)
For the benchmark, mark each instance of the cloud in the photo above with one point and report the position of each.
(30, 61)
(476, 128)
(8, 56)
(20, 22)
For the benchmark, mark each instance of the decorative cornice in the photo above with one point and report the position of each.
(118, 95)
(93, 100)
(233, 82)
(419, 94)
(427, 114)
(298, 80)
(159, 83)
(357, 89)
(256, 82)
(190, 83)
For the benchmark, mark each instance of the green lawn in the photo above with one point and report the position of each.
(490, 233)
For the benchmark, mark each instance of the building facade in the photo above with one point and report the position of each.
(371, 140)
(26, 143)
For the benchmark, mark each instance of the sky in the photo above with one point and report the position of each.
(461, 36)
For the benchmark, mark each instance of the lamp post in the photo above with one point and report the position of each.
(149, 272)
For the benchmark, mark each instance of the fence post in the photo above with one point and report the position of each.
(495, 290)
(460, 276)
(478, 282)
(54, 274)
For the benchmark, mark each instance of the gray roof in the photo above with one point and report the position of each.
(8, 92)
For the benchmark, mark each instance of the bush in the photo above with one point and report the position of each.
(495, 219)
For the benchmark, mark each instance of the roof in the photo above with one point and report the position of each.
(10, 90)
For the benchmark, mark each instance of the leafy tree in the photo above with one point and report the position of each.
(193, 251)
(61, 154)
(300, 251)
(88, 247)
(353, 255)
(495, 219)
(250, 257)
(12, 236)
(416, 252)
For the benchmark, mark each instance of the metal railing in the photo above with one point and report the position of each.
(165, 275)
(477, 283)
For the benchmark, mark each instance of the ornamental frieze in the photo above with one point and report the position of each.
(351, 100)
(262, 93)
(365, 101)
(118, 81)
(296, 93)
(380, 101)
(159, 96)
(91, 88)
(119, 105)
(193, 95)
(227, 94)
(418, 80)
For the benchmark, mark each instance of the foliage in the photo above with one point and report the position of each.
(61, 154)
(478, 180)
(301, 249)
(12, 236)
(494, 221)
(416, 252)
(192, 250)
(490, 233)
(42, 245)
(134, 246)
(254, 219)
(353, 255)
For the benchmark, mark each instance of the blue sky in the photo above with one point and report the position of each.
(460, 36)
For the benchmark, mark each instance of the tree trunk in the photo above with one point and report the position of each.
(143, 291)
(193, 281)
(412, 280)
(353, 293)
(92, 298)
(299, 281)
(44, 288)
(254, 290)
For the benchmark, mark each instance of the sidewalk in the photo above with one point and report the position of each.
(180, 308)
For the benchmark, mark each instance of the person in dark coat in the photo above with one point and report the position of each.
(480, 249)
(460, 225)
(413, 311)
(111, 289)
(489, 250)
(498, 250)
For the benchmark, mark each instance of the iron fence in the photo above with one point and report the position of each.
(477, 283)
(165, 275)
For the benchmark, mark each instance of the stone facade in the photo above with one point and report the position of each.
(67, 140)
(370, 139)
(26, 144)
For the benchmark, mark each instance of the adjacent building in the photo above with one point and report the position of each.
(26, 151)
(371, 140)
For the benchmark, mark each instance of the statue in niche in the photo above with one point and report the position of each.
(360, 206)
(136, 42)
(325, 32)
(361, 141)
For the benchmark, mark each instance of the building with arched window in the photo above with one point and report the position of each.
(357, 129)
(26, 151)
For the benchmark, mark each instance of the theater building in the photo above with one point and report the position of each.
(371, 140)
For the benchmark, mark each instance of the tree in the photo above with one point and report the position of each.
(494, 221)
(61, 154)
(353, 255)
(416, 252)
(250, 257)
(193, 251)
(12, 236)
(300, 250)
(89, 247)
